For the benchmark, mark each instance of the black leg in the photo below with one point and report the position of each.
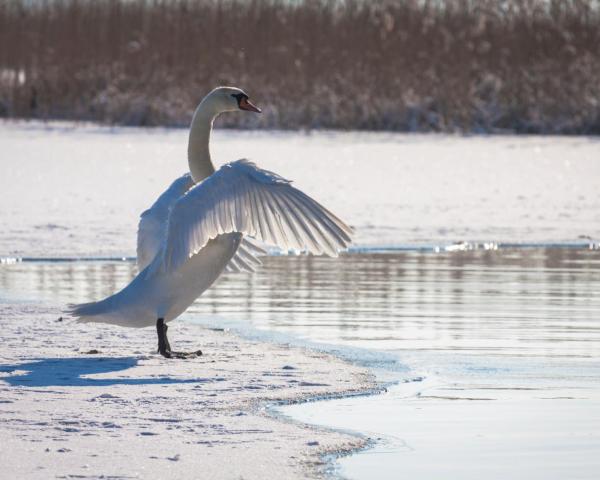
(164, 348)
(163, 343)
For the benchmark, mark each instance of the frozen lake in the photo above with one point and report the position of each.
(497, 351)
(78, 191)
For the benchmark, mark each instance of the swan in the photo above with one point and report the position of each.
(207, 222)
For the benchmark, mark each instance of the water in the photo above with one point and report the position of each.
(493, 352)
(534, 303)
(530, 302)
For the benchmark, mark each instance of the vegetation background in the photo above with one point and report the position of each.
(410, 65)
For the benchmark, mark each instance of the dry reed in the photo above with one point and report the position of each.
(417, 65)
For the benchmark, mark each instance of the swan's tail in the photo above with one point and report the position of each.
(130, 307)
(116, 309)
(101, 311)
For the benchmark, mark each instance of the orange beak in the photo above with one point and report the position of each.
(246, 105)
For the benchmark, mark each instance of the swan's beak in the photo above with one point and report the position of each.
(246, 105)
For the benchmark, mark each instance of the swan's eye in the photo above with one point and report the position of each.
(239, 97)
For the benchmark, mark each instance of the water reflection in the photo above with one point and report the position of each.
(538, 302)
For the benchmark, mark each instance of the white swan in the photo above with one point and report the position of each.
(204, 222)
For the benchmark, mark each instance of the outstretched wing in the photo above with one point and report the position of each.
(240, 197)
(153, 222)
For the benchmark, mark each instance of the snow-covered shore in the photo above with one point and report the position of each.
(126, 412)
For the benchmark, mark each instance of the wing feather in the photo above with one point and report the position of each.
(304, 229)
(337, 225)
(240, 197)
(299, 228)
(281, 239)
(248, 252)
(153, 222)
(320, 227)
(270, 236)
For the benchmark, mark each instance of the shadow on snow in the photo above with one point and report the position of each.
(73, 372)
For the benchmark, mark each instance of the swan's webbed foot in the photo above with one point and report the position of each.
(182, 355)
(164, 348)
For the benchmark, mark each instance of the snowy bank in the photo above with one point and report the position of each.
(126, 412)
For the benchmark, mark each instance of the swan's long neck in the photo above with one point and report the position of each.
(199, 160)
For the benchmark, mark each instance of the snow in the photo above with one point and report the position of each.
(126, 412)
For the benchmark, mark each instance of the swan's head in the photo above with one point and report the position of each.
(230, 99)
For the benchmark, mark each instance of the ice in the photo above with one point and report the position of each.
(78, 190)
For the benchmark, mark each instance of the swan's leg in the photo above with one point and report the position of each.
(164, 348)
(163, 343)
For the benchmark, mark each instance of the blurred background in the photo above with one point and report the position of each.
(526, 66)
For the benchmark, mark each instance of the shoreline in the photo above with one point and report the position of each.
(329, 466)
(128, 413)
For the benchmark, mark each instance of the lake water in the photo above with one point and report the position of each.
(493, 354)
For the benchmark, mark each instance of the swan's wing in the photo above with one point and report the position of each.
(153, 225)
(246, 257)
(153, 222)
(240, 197)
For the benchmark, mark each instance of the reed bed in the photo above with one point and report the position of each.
(413, 65)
